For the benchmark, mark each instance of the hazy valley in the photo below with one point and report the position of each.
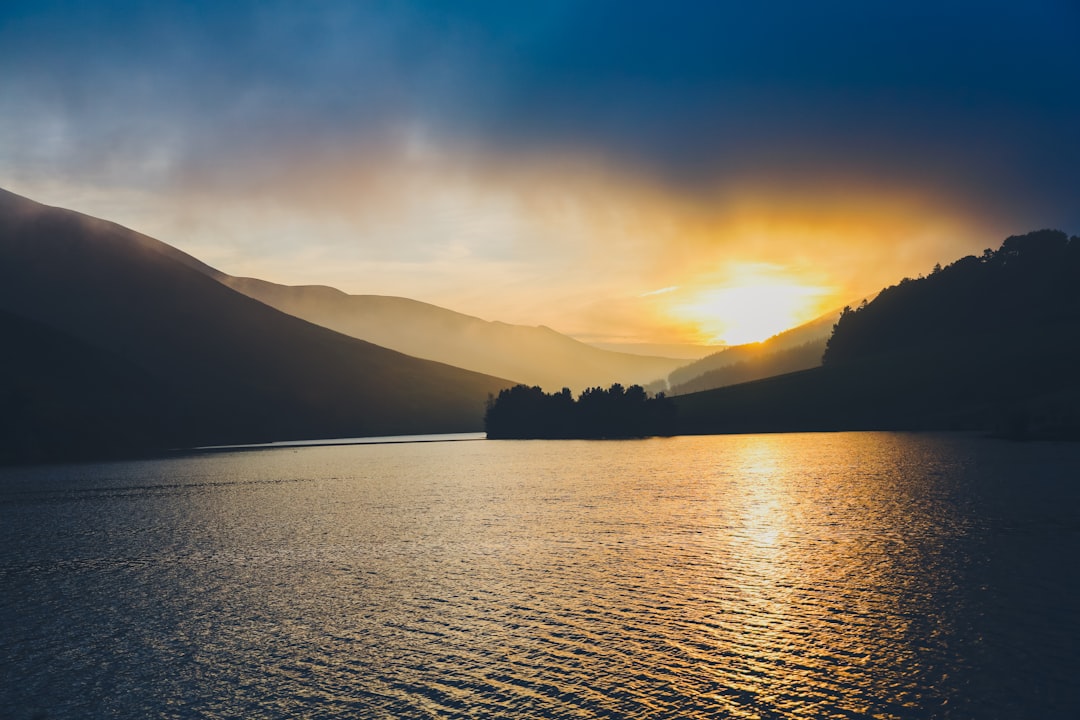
(122, 344)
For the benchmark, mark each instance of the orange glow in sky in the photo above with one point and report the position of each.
(751, 307)
(600, 255)
(664, 175)
(750, 313)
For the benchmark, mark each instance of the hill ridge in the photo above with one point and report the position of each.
(986, 343)
(533, 355)
(247, 372)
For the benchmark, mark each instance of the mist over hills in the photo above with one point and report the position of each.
(989, 343)
(118, 344)
(758, 363)
(799, 348)
(530, 355)
(110, 326)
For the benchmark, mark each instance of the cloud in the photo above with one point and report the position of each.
(661, 291)
(941, 95)
(568, 148)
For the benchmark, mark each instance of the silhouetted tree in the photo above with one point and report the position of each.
(988, 343)
(1032, 279)
(618, 412)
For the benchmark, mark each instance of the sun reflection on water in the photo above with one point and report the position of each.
(815, 585)
(787, 576)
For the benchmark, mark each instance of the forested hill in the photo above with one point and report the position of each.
(1031, 283)
(988, 343)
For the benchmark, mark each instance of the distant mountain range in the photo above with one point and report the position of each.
(989, 343)
(529, 355)
(118, 343)
(800, 348)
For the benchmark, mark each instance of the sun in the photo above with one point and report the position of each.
(751, 310)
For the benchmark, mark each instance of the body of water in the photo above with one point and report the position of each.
(841, 575)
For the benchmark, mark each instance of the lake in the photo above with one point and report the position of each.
(841, 575)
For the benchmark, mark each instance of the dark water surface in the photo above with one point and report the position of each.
(771, 576)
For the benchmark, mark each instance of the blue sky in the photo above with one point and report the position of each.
(405, 148)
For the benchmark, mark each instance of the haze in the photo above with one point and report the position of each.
(630, 174)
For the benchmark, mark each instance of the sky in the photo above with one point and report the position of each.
(628, 172)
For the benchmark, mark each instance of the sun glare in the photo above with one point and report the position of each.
(746, 313)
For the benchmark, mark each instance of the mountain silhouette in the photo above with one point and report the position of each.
(129, 322)
(63, 398)
(799, 348)
(989, 343)
(532, 355)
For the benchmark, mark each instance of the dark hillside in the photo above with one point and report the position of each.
(799, 348)
(989, 344)
(1033, 280)
(534, 355)
(245, 371)
(756, 366)
(62, 398)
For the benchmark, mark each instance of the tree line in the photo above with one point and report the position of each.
(528, 412)
(987, 342)
(1031, 281)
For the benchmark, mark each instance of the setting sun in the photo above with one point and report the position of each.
(751, 310)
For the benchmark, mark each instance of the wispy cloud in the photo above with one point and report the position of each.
(661, 291)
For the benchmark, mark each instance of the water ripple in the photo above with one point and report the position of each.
(823, 576)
